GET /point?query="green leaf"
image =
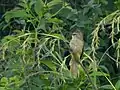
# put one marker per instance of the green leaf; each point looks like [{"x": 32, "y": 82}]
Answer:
[
  {"x": 39, "y": 7},
  {"x": 48, "y": 15},
  {"x": 117, "y": 3},
  {"x": 2, "y": 88},
  {"x": 4, "y": 81},
  {"x": 54, "y": 2},
  {"x": 37, "y": 82},
  {"x": 42, "y": 24},
  {"x": 86, "y": 10},
  {"x": 99, "y": 74},
  {"x": 117, "y": 85},
  {"x": 104, "y": 68},
  {"x": 9, "y": 39},
  {"x": 108, "y": 87},
  {"x": 16, "y": 13},
  {"x": 22, "y": 4},
  {"x": 49, "y": 63},
  {"x": 58, "y": 36},
  {"x": 104, "y": 1},
  {"x": 32, "y": 2},
  {"x": 66, "y": 12},
  {"x": 55, "y": 20},
  {"x": 18, "y": 32}
]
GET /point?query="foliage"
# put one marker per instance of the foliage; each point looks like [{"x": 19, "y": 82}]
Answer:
[
  {"x": 6, "y": 5},
  {"x": 31, "y": 53}
]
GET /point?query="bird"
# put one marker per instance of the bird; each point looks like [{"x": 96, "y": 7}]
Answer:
[{"x": 76, "y": 49}]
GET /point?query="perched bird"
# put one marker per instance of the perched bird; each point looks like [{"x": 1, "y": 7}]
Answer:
[{"x": 76, "y": 50}]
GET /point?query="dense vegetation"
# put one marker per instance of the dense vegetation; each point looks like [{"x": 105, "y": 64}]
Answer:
[{"x": 36, "y": 33}]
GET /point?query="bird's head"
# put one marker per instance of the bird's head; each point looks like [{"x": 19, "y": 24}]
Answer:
[{"x": 77, "y": 34}]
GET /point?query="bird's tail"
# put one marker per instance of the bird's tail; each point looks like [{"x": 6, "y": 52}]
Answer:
[{"x": 74, "y": 68}]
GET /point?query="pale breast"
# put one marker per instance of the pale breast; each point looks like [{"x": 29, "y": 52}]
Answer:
[{"x": 76, "y": 45}]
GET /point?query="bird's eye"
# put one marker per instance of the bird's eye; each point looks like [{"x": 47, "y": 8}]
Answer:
[{"x": 74, "y": 34}]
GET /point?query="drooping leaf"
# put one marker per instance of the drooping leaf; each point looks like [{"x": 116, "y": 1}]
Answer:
[
  {"x": 66, "y": 12},
  {"x": 106, "y": 87},
  {"x": 58, "y": 36},
  {"x": 49, "y": 63},
  {"x": 16, "y": 13},
  {"x": 54, "y": 2},
  {"x": 7, "y": 39},
  {"x": 39, "y": 7}
]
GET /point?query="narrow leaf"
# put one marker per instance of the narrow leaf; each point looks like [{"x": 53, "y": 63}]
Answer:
[{"x": 16, "y": 13}]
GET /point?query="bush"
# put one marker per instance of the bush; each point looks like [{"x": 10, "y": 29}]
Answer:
[{"x": 37, "y": 33}]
